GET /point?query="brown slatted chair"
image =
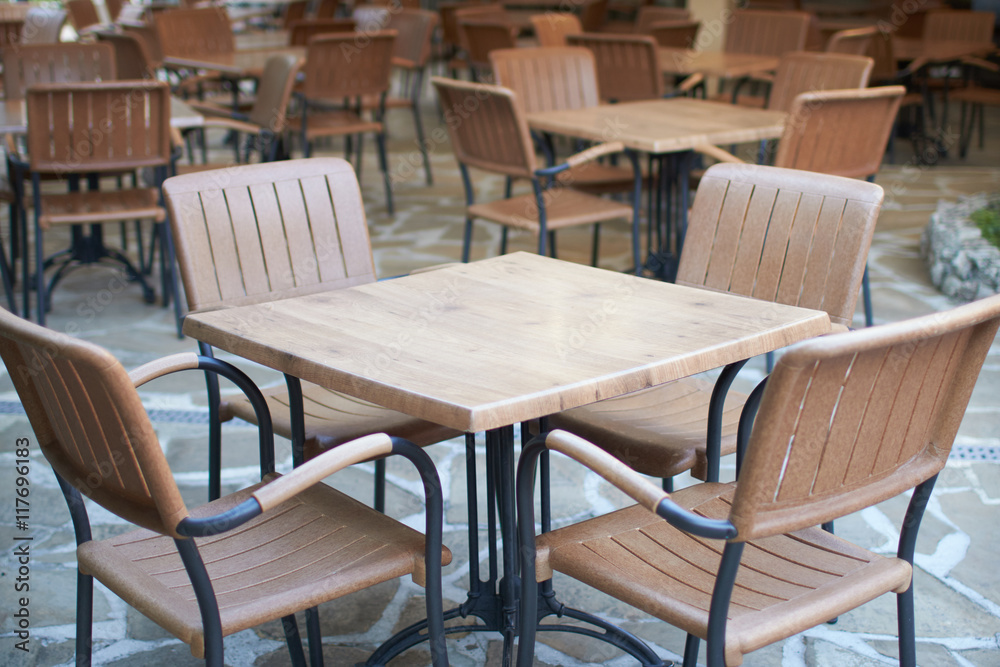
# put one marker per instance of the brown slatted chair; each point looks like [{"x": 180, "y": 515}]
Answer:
[
  {"x": 594, "y": 15},
  {"x": 327, "y": 9},
  {"x": 132, "y": 57},
  {"x": 555, "y": 79},
  {"x": 203, "y": 31},
  {"x": 959, "y": 25},
  {"x": 494, "y": 137},
  {"x": 337, "y": 73},
  {"x": 480, "y": 38},
  {"x": 453, "y": 35},
  {"x": 855, "y": 41},
  {"x": 806, "y": 71},
  {"x": 258, "y": 233},
  {"x": 650, "y": 14},
  {"x": 82, "y": 15},
  {"x": 551, "y": 28},
  {"x": 301, "y": 31},
  {"x": 69, "y": 62},
  {"x": 845, "y": 422},
  {"x": 114, "y": 8},
  {"x": 768, "y": 33},
  {"x": 96, "y": 128},
  {"x": 263, "y": 553},
  {"x": 294, "y": 11},
  {"x": 627, "y": 65},
  {"x": 781, "y": 235},
  {"x": 675, "y": 34},
  {"x": 43, "y": 25}
]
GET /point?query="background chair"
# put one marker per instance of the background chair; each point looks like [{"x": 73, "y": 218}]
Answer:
[
  {"x": 42, "y": 25},
  {"x": 780, "y": 235},
  {"x": 805, "y": 71},
  {"x": 650, "y": 14},
  {"x": 765, "y": 33},
  {"x": 82, "y": 15},
  {"x": 675, "y": 34},
  {"x": 264, "y": 553},
  {"x": 551, "y": 28},
  {"x": 845, "y": 422},
  {"x": 264, "y": 232},
  {"x": 133, "y": 59},
  {"x": 301, "y": 31},
  {"x": 479, "y": 38},
  {"x": 70, "y": 62},
  {"x": 627, "y": 65},
  {"x": 495, "y": 138},
  {"x": 337, "y": 78},
  {"x": 855, "y": 41}
]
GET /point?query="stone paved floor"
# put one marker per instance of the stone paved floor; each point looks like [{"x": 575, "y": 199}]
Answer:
[{"x": 957, "y": 578}]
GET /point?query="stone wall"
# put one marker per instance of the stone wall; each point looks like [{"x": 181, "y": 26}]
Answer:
[{"x": 963, "y": 265}]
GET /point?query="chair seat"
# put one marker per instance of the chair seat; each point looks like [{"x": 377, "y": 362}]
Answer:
[
  {"x": 329, "y": 554},
  {"x": 598, "y": 178},
  {"x": 333, "y": 124},
  {"x": 786, "y": 584},
  {"x": 564, "y": 207},
  {"x": 84, "y": 207},
  {"x": 658, "y": 431},
  {"x": 332, "y": 418}
]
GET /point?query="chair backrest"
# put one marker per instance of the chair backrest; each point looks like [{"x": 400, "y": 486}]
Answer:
[
  {"x": 871, "y": 414},
  {"x": 480, "y": 37},
  {"x": 807, "y": 71},
  {"x": 781, "y": 235},
  {"x": 959, "y": 25},
  {"x": 627, "y": 65},
  {"x": 336, "y": 68},
  {"x": 42, "y": 25},
  {"x": 675, "y": 34},
  {"x": 69, "y": 62},
  {"x": 414, "y": 35},
  {"x": 448, "y": 12},
  {"x": 90, "y": 423},
  {"x": 82, "y": 14},
  {"x": 370, "y": 17},
  {"x": 114, "y": 8},
  {"x": 650, "y": 14},
  {"x": 10, "y": 32},
  {"x": 327, "y": 9},
  {"x": 594, "y": 15},
  {"x": 551, "y": 28},
  {"x": 256, "y": 233},
  {"x": 150, "y": 38},
  {"x": 767, "y": 33},
  {"x": 131, "y": 15},
  {"x": 274, "y": 91},
  {"x": 842, "y": 132},
  {"x": 492, "y": 134},
  {"x": 185, "y": 32},
  {"x": 300, "y": 32},
  {"x": 132, "y": 58},
  {"x": 106, "y": 126},
  {"x": 855, "y": 41},
  {"x": 548, "y": 78},
  {"x": 294, "y": 11}
]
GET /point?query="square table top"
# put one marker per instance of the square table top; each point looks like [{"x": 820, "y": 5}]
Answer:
[
  {"x": 713, "y": 63},
  {"x": 663, "y": 126},
  {"x": 13, "y": 116},
  {"x": 239, "y": 64},
  {"x": 496, "y": 342}
]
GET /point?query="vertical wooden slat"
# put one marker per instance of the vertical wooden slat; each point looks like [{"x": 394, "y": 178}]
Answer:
[
  {"x": 246, "y": 238},
  {"x": 349, "y": 212},
  {"x": 799, "y": 243},
  {"x": 194, "y": 251},
  {"x": 707, "y": 209},
  {"x": 298, "y": 235},
  {"x": 775, "y": 251},
  {"x": 219, "y": 226},
  {"x": 274, "y": 243},
  {"x": 746, "y": 264},
  {"x": 818, "y": 268},
  {"x": 323, "y": 228},
  {"x": 727, "y": 236}
]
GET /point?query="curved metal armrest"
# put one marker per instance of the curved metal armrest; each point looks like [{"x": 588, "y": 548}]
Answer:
[
  {"x": 636, "y": 486},
  {"x": 582, "y": 157},
  {"x": 717, "y": 153}
]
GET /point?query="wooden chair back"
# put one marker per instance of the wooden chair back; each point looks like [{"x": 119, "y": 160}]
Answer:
[
  {"x": 294, "y": 11},
  {"x": 959, "y": 25},
  {"x": 327, "y": 9},
  {"x": 855, "y": 42},
  {"x": 767, "y": 33},
  {"x": 781, "y": 235},
  {"x": 450, "y": 12},
  {"x": 91, "y": 425},
  {"x": 114, "y": 8},
  {"x": 807, "y": 71},
  {"x": 675, "y": 34},
  {"x": 70, "y": 62},
  {"x": 494, "y": 136},
  {"x": 132, "y": 57},
  {"x": 335, "y": 69},
  {"x": 480, "y": 37},
  {"x": 95, "y": 127},
  {"x": 872, "y": 414},
  {"x": 627, "y": 65},
  {"x": 551, "y": 28},
  {"x": 150, "y": 38},
  {"x": 594, "y": 15},
  {"x": 370, "y": 17},
  {"x": 42, "y": 25},
  {"x": 132, "y": 15},
  {"x": 262, "y": 232},
  {"x": 841, "y": 132},
  {"x": 186, "y": 32},
  {"x": 82, "y": 14},
  {"x": 300, "y": 32},
  {"x": 274, "y": 92},
  {"x": 650, "y": 14},
  {"x": 10, "y": 32},
  {"x": 414, "y": 35},
  {"x": 550, "y": 78}
]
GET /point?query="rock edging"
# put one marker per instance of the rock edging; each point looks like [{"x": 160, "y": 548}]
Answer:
[{"x": 963, "y": 265}]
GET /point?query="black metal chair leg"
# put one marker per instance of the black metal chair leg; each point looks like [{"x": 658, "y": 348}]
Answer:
[
  {"x": 84, "y": 619},
  {"x": 314, "y": 637},
  {"x": 380, "y": 485},
  {"x": 691, "y": 646},
  {"x": 293, "y": 641}
]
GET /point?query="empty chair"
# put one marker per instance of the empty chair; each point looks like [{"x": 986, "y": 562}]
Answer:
[
  {"x": 856, "y": 41},
  {"x": 71, "y": 62},
  {"x": 627, "y": 65},
  {"x": 494, "y": 137},
  {"x": 294, "y": 11},
  {"x": 132, "y": 57},
  {"x": 185, "y": 32},
  {"x": 264, "y": 553},
  {"x": 265, "y": 232},
  {"x": 551, "y": 28},
  {"x": 479, "y": 38},
  {"x": 650, "y": 14},
  {"x": 946, "y": 25},
  {"x": 42, "y": 25},
  {"x": 114, "y": 8},
  {"x": 779, "y": 235},
  {"x": 770, "y": 33},
  {"x": 301, "y": 31},
  {"x": 339, "y": 75},
  {"x": 453, "y": 36},
  {"x": 805, "y": 71},
  {"x": 845, "y": 422},
  {"x": 82, "y": 15},
  {"x": 675, "y": 34}
]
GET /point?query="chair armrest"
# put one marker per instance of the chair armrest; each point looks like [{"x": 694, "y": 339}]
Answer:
[
  {"x": 582, "y": 157},
  {"x": 159, "y": 367},
  {"x": 636, "y": 486},
  {"x": 981, "y": 63},
  {"x": 718, "y": 153},
  {"x": 208, "y": 107},
  {"x": 230, "y": 124},
  {"x": 690, "y": 82}
]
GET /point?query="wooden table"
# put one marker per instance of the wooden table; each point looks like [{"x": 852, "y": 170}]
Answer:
[
  {"x": 670, "y": 129},
  {"x": 13, "y": 116},
  {"x": 236, "y": 65},
  {"x": 685, "y": 62},
  {"x": 486, "y": 345}
]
